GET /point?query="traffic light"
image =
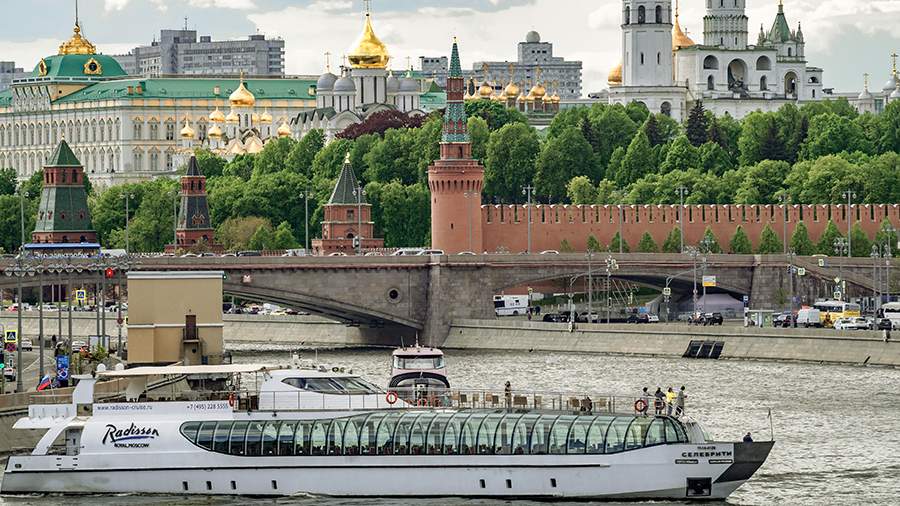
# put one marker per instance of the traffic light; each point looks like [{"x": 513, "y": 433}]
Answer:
[{"x": 110, "y": 273}]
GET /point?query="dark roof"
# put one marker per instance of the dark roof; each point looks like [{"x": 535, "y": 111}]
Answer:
[
  {"x": 345, "y": 189},
  {"x": 63, "y": 156},
  {"x": 193, "y": 167}
]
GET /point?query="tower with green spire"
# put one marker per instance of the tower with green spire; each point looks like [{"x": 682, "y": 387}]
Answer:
[
  {"x": 63, "y": 214},
  {"x": 456, "y": 180}
]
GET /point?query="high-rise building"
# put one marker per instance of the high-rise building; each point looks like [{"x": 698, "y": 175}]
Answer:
[
  {"x": 9, "y": 73},
  {"x": 179, "y": 52}
]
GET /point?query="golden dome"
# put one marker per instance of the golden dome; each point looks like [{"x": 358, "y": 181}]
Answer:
[
  {"x": 77, "y": 44},
  {"x": 485, "y": 90},
  {"x": 555, "y": 98},
  {"x": 284, "y": 130},
  {"x": 679, "y": 38},
  {"x": 232, "y": 118},
  {"x": 187, "y": 132},
  {"x": 265, "y": 117},
  {"x": 214, "y": 132},
  {"x": 511, "y": 90},
  {"x": 370, "y": 52},
  {"x": 521, "y": 98},
  {"x": 615, "y": 76},
  {"x": 242, "y": 97},
  {"x": 254, "y": 118},
  {"x": 538, "y": 91},
  {"x": 217, "y": 116}
]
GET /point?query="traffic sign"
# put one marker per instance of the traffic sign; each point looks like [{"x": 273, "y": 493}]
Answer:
[
  {"x": 837, "y": 295},
  {"x": 11, "y": 336},
  {"x": 667, "y": 291},
  {"x": 81, "y": 295},
  {"x": 821, "y": 262},
  {"x": 709, "y": 281},
  {"x": 801, "y": 271}
]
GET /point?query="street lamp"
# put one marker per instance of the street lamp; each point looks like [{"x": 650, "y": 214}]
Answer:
[
  {"x": 694, "y": 253},
  {"x": 305, "y": 196},
  {"x": 841, "y": 247},
  {"x": 20, "y": 269},
  {"x": 526, "y": 190},
  {"x": 889, "y": 231},
  {"x": 590, "y": 287},
  {"x": 611, "y": 266},
  {"x": 682, "y": 191},
  {"x": 359, "y": 193},
  {"x": 127, "y": 196},
  {"x": 791, "y": 253},
  {"x": 849, "y": 195},
  {"x": 876, "y": 254},
  {"x": 785, "y": 199}
]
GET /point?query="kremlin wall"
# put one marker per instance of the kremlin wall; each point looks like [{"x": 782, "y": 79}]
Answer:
[{"x": 505, "y": 227}]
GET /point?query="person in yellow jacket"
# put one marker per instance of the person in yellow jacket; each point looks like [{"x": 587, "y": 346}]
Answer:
[{"x": 670, "y": 400}]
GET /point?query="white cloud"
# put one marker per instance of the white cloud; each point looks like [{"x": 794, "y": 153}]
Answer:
[
  {"x": 160, "y": 5},
  {"x": 223, "y": 4},
  {"x": 331, "y": 5},
  {"x": 114, "y": 5}
]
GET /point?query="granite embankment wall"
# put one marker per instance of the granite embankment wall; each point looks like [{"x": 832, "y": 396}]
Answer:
[{"x": 808, "y": 345}]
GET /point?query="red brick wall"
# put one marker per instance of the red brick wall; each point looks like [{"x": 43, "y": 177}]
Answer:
[{"x": 505, "y": 226}]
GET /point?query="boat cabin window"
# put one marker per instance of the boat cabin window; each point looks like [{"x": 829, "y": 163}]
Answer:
[
  {"x": 436, "y": 433},
  {"x": 419, "y": 362},
  {"x": 352, "y": 386}
]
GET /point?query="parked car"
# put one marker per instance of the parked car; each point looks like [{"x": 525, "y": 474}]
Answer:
[
  {"x": 856, "y": 323},
  {"x": 638, "y": 318},
  {"x": 432, "y": 252},
  {"x": 249, "y": 254},
  {"x": 708, "y": 319},
  {"x": 652, "y": 318},
  {"x": 466, "y": 253},
  {"x": 550, "y": 252},
  {"x": 408, "y": 252},
  {"x": 78, "y": 344},
  {"x": 9, "y": 373},
  {"x": 809, "y": 317},
  {"x": 26, "y": 344},
  {"x": 882, "y": 324},
  {"x": 556, "y": 317},
  {"x": 785, "y": 320},
  {"x": 586, "y": 317},
  {"x": 338, "y": 254},
  {"x": 374, "y": 254},
  {"x": 229, "y": 255}
]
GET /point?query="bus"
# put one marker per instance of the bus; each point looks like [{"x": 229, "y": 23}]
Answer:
[
  {"x": 831, "y": 310},
  {"x": 891, "y": 311},
  {"x": 510, "y": 305}
]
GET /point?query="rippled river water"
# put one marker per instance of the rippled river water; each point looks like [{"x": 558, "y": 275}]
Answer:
[{"x": 836, "y": 427}]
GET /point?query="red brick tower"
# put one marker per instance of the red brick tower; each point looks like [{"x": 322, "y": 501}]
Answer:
[
  {"x": 347, "y": 218},
  {"x": 194, "y": 230},
  {"x": 456, "y": 180}
]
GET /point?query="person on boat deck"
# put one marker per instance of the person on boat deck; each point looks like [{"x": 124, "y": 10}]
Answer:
[
  {"x": 679, "y": 402},
  {"x": 660, "y": 400},
  {"x": 670, "y": 400},
  {"x": 748, "y": 438},
  {"x": 507, "y": 392},
  {"x": 645, "y": 396}
]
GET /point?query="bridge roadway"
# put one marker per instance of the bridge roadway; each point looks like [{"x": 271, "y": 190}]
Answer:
[{"x": 404, "y": 296}]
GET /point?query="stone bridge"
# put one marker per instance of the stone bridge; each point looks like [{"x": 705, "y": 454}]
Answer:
[{"x": 402, "y": 296}]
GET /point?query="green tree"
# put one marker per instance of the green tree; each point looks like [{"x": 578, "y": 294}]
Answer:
[
  {"x": 240, "y": 166},
  {"x": 10, "y": 221},
  {"x": 800, "y": 241},
  {"x": 831, "y": 134},
  {"x": 740, "y": 244},
  {"x": 637, "y": 161},
  {"x": 714, "y": 158},
  {"x": 611, "y": 127},
  {"x": 394, "y": 158},
  {"x": 647, "y": 244},
  {"x": 560, "y": 160},
  {"x": 792, "y": 129},
  {"x": 151, "y": 228},
  {"x": 614, "y": 244},
  {"x": 697, "y": 125},
  {"x": 403, "y": 213},
  {"x": 497, "y": 115},
  {"x": 637, "y": 111},
  {"x": 651, "y": 130},
  {"x": 284, "y": 237},
  {"x": 672, "y": 244},
  {"x": 210, "y": 164},
  {"x": 825, "y": 246},
  {"x": 427, "y": 144},
  {"x": 762, "y": 182},
  {"x": 574, "y": 117},
  {"x": 511, "y": 155},
  {"x": 889, "y": 139},
  {"x": 607, "y": 193},
  {"x": 581, "y": 191},
  {"x": 8, "y": 181},
  {"x": 615, "y": 163},
  {"x": 480, "y": 134},
  {"x": 682, "y": 155},
  {"x": 887, "y": 235},
  {"x": 860, "y": 244},
  {"x": 565, "y": 247},
  {"x": 593, "y": 244},
  {"x": 274, "y": 156},
  {"x": 235, "y": 233},
  {"x": 329, "y": 160},
  {"x": 710, "y": 243},
  {"x": 262, "y": 239},
  {"x": 769, "y": 243},
  {"x": 759, "y": 139},
  {"x": 303, "y": 153}
]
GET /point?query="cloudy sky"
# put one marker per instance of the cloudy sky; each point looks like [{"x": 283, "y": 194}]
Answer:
[{"x": 845, "y": 37}]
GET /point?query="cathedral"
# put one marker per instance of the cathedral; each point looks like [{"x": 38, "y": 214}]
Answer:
[
  {"x": 364, "y": 87},
  {"x": 666, "y": 70}
]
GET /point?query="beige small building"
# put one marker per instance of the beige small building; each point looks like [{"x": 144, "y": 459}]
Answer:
[{"x": 175, "y": 317}]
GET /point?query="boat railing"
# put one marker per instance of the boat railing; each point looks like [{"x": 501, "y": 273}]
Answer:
[{"x": 412, "y": 398}]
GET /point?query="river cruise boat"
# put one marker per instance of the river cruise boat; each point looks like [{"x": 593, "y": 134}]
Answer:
[
  {"x": 320, "y": 431},
  {"x": 419, "y": 369}
]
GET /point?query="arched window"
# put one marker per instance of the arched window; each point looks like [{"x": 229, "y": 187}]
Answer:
[
  {"x": 658, "y": 58},
  {"x": 642, "y": 58},
  {"x": 710, "y": 63},
  {"x": 763, "y": 84},
  {"x": 627, "y": 15},
  {"x": 642, "y": 15},
  {"x": 789, "y": 52},
  {"x": 666, "y": 108},
  {"x": 659, "y": 19},
  {"x": 763, "y": 63},
  {"x": 710, "y": 83}
]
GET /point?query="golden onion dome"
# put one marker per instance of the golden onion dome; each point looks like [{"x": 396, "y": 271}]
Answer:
[
  {"x": 615, "y": 76},
  {"x": 254, "y": 118},
  {"x": 555, "y": 98},
  {"x": 485, "y": 90},
  {"x": 77, "y": 44},
  {"x": 232, "y": 118},
  {"x": 511, "y": 90},
  {"x": 370, "y": 52},
  {"x": 241, "y": 97},
  {"x": 679, "y": 38},
  {"x": 214, "y": 132},
  {"x": 521, "y": 98},
  {"x": 217, "y": 116},
  {"x": 284, "y": 130},
  {"x": 538, "y": 91},
  {"x": 187, "y": 132},
  {"x": 265, "y": 117}
]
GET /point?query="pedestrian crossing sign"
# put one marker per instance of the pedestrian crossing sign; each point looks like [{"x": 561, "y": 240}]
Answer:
[
  {"x": 81, "y": 295},
  {"x": 11, "y": 336}
]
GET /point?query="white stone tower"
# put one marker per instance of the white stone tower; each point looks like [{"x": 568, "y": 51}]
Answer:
[
  {"x": 647, "y": 43},
  {"x": 725, "y": 24}
]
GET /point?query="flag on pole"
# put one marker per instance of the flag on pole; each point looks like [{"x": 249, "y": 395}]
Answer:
[{"x": 45, "y": 383}]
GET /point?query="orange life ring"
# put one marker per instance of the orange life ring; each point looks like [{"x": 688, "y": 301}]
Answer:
[
  {"x": 231, "y": 399},
  {"x": 391, "y": 397},
  {"x": 422, "y": 402},
  {"x": 640, "y": 405}
]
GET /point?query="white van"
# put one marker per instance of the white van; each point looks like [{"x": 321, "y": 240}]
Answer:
[{"x": 809, "y": 317}]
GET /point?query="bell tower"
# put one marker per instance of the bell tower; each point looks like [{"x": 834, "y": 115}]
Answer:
[{"x": 456, "y": 180}]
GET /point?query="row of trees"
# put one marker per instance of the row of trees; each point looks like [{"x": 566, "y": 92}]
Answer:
[
  {"x": 603, "y": 154},
  {"x": 770, "y": 243}
]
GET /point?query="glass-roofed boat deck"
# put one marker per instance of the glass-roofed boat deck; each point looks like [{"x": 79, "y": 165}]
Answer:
[{"x": 429, "y": 432}]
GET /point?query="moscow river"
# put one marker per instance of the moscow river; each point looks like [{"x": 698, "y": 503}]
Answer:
[{"x": 835, "y": 426}]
